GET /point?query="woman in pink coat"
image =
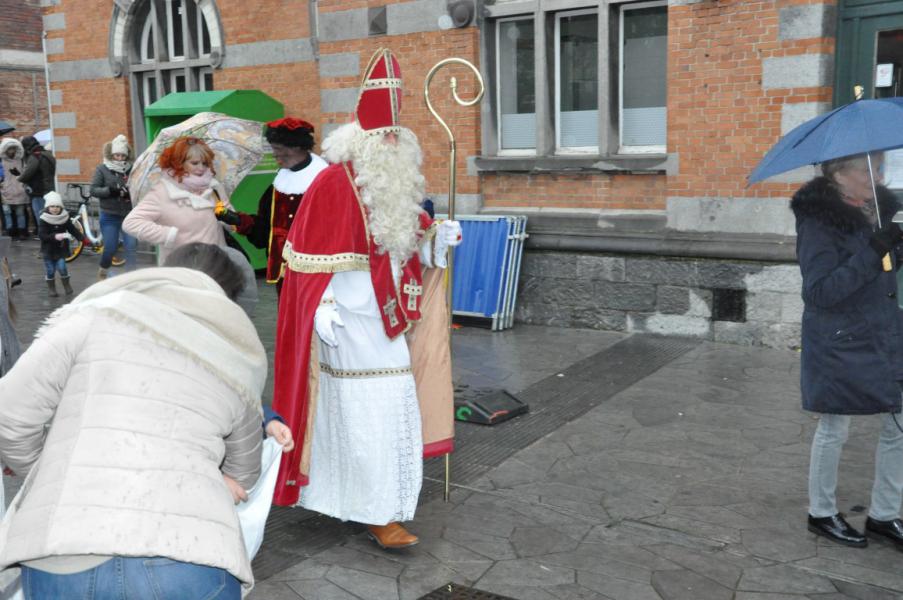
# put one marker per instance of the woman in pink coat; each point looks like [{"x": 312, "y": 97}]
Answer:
[{"x": 180, "y": 208}]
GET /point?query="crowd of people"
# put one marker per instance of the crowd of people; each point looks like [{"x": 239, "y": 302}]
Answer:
[{"x": 136, "y": 416}]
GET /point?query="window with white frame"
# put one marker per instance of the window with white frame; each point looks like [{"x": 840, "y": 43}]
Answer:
[
  {"x": 643, "y": 77},
  {"x": 602, "y": 89},
  {"x": 172, "y": 50},
  {"x": 516, "y": 88}
]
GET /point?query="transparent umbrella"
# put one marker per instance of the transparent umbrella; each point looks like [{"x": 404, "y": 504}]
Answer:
[{"x": 238, "y": 145}]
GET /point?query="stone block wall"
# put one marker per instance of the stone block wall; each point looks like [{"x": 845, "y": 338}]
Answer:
[{"x": 663, "y": 295}]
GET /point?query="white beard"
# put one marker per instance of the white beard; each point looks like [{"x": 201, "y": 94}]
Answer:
[{"x": 390, "y": 181}]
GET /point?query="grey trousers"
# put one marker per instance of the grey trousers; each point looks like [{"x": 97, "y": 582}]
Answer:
[{"x": 887, "y": 490}]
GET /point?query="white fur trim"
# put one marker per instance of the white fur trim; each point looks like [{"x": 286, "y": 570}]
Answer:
[{"x": 297, "y": 182}]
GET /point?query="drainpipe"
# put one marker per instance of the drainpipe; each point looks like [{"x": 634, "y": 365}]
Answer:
[{"x": 56, "y": 183}]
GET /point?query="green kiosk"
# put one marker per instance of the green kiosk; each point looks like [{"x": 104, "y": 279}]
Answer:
[{"x": 244, "y": 104}]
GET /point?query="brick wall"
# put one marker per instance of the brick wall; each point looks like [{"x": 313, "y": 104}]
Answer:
[
  {"x": 20, "y": 22},
  {"x": 723, "y": 115},
  {"x": 23, "y": 96},
  {"x": 23, "y": 100}
]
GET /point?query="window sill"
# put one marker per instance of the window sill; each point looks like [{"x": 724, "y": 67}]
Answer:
[{"x": 644, "y": 164}]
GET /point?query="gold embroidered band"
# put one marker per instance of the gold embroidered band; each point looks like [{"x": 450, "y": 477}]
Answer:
[
  {"x": 324, "y": 263},
  {"x": 388, "y": 83},
  {"x": 364, "y": 373}
]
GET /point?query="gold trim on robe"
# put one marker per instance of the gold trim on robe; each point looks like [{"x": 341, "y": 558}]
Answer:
[{"x": 324, "y": 263}]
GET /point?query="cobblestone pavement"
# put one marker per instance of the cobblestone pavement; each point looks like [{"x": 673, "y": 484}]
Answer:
[{"x": 688, "y": 484}]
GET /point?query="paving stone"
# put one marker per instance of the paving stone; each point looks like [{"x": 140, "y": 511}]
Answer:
[
  {"x": 687, "y": 585},
  {"x": 527, "y": 573},
  {"x": 717, "y": 533},
  {"x": 537, "y": 541},
  {"x": 572, "y": 591},
  {"x": 308, "y": 569},
  {"x": 716, "y": 566},
  {"x": 853, "y": 573},
  {"x": 863, "y": 592},
  {"x": 641, "y": 534},
  {"x": 581, "y": 560},
  {"x": 364, "y": 585},
  {"x": 321, "y": 589},
  {"x": 767, "y": 596},
  {"x": 361, "y": 561},
  {"x": 617, "y": 589},
  {"x": 491, "y": 547},
  {"x": 419, "y": 580},
  {"x": 517, "y": 592},
  {"x": 775, "y": 544},
  {"x": 784, "y": 579},
  {"x": 272, "y": 590}
]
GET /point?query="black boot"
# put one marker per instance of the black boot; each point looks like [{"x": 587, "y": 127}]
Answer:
[
  {"x": 51, "y": 288},
  {"x": 66, "y": 286},
  {"x": 838, "y": 530},
  {"x": 891, "y": 530}
]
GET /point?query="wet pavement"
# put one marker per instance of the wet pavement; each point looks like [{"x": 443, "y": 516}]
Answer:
[{"x": 648, "y": 468}]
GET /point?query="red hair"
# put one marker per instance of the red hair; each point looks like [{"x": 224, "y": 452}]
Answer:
[{"x": 174, "y": 156}]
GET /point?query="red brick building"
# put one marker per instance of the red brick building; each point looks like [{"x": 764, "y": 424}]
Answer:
[
  {"x": 623, "y": 129},
  {"x": 23, "y": 91}
]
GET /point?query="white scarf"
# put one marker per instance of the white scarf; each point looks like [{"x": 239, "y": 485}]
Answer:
[
  {"x": 117, "y": 166},
  {"x": 55, "y": 219},
  {"x": 187, "y": 311}
]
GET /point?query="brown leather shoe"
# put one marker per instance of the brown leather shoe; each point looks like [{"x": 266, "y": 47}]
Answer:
[{"x": 391, "y": 536}]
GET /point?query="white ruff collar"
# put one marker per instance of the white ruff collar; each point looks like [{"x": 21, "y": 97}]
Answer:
[{"x": 297, "y": 182}]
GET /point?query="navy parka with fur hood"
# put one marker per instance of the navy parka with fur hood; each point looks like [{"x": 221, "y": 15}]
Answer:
[{"x": 852, "y": 329}]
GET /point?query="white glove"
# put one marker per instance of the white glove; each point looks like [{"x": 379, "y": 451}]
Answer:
[
  {"x": 325, "y": 318},
  {"x": 449, "y": 233}
]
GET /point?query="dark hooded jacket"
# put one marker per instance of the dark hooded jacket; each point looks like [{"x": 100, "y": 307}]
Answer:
[
  {"x": 852, "y": 330},
  {"x": 40, "y": 167}
]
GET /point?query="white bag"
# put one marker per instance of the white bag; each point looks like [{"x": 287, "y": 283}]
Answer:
[{"x": 253, "y": 513}]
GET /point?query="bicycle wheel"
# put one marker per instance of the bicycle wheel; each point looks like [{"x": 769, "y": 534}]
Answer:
[{"x": 79, "y": 246}]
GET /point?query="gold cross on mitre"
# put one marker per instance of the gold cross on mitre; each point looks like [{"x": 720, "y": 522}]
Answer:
[
  {"x": 389, "y": 310},
  {"x": 412, "y": 290}
]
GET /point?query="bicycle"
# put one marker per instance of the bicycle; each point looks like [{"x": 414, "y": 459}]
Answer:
[{"x": 89, "y": 225}]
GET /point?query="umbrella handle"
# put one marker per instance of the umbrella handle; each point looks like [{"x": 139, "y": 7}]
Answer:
[{"x": 885, "y": 263}]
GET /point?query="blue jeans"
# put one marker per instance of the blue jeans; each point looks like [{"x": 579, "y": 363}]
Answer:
[
  {"x": 37, "y": 205},
  {"x": 55, "y": 266},
  {"x": 887, "y": 489},
  {"x": 111, "y": 230},
  {"x": 15, "y": 217},
  {"x": 123, "y": 578}
]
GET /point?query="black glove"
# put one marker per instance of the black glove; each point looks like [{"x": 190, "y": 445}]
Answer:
[
  {"x": 884, "y": 240},
  {"x": 229, "y": 217},
  {"x": 15, "y": 171}
]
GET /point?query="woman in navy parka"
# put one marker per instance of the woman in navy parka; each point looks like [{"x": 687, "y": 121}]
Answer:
[{"x": 852, "y": 338}]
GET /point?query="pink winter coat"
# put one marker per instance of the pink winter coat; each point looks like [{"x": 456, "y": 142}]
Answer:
[{"x": 171, "y": 216}]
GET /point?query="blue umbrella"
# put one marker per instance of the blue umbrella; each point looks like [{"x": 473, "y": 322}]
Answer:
[
  {"x": 856, "y": 128},
  {"x": 5, "y": 128}
]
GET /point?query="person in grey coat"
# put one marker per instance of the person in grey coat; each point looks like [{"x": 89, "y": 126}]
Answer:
[
  {"x": 110, "y": 185},
  {"x": 852, "y": 339}
]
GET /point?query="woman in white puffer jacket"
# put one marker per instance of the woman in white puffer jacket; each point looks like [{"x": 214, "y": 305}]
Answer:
[{"x": 125, "y": 413}]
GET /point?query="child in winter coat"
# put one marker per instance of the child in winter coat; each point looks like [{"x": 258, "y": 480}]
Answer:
[{"x": 55, "y": 230}]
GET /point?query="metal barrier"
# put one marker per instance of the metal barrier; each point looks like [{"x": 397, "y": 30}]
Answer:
[{"x": 487, "y": 267}]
